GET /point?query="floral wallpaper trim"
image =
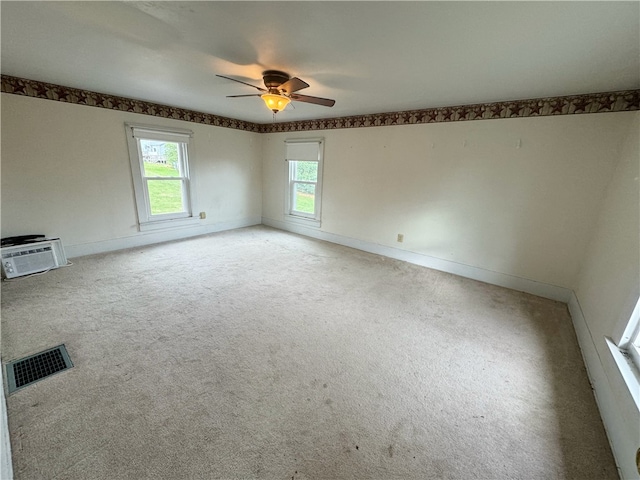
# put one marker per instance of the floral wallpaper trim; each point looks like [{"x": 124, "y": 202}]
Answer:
[{"x": 622, "y": 101}]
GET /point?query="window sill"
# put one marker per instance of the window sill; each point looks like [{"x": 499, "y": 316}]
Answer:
[
  {"x": 167, "y": 224},
  {"x": 309, "y": 222},
  {"x": 627, "y": 369}
]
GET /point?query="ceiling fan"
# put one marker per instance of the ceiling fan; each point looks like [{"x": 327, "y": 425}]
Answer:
[{"x": 280, "y": 90}]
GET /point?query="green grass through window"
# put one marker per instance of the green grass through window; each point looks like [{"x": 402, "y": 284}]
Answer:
[
  {"x": 165, "y": 196},
  {"x": 305, "y": 202},
  {"x": 160, "y": 170}
]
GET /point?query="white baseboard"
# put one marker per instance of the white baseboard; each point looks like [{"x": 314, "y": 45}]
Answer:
[
  {"x": 513, "y": 282},
  {"x": 6, "y": 467},
  {"x": 149, "y": 238},
  {"x": 615, "y": 420}
]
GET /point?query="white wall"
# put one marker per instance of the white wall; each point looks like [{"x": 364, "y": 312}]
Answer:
[
  {"x": 66, "y": 173},
  {"x": 461, "y": 192},
  {"x": 606, "y": 291},
  {"x": 464, "y": 192}
]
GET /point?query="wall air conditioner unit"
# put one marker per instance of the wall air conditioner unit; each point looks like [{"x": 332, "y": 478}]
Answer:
[{"x": 32, "y": 257}]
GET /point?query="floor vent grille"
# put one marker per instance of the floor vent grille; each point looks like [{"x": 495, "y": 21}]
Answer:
[{"x": 28, "y": 370}]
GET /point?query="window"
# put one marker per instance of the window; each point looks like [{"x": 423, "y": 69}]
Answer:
[
  {"x": 626, "y": 354},
  {"x": 631, "y": 337},
  {"x": 161, "y": 176},
  {"x": 304, "y": 186}
]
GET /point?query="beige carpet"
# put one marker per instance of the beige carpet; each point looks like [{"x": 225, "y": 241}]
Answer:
[{"x": 256, "y": 353}]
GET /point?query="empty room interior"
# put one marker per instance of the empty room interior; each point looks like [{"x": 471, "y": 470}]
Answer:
[{"x": 320, "y": 240}]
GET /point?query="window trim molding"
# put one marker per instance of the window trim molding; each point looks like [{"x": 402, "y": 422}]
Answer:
[
  {"x": 629, "y": 338},
  {"x": 628, "y": 370},
  {"x": 631, "y": 326},
  {"x": 626, "y": 356},
  {"x": 146, "y": 220},
  {"x": 316, "y": 219}
]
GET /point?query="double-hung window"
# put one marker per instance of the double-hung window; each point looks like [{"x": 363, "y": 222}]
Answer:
[
  {"x": 161, "y": 176},
  {"x": 304, "y": 185}
]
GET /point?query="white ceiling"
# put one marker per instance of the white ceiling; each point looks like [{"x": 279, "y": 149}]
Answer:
[{"x": 370, "y": 57}]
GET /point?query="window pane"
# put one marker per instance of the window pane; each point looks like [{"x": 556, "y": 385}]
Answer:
[
  {"x": 160, "y": 159},
  {"x": 165, "y": 196},
  {"x": 306, "y": 171},
  {"x": 304, "y": 198}
]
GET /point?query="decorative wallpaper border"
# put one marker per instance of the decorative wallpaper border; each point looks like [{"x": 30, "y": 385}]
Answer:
[
  {"x": 622, "y": 101},
  {"x": 50, "y": 91}
]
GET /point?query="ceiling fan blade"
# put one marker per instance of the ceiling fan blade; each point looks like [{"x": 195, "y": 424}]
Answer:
[
  {"x": 249, "y": 95},
  {"x": 292, "y": 85},
  {"x": 240, "y": 81},
  {"x": 327, "y": 102}
]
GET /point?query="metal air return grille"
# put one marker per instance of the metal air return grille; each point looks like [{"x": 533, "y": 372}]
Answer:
[{"x": 28, "y": 370}]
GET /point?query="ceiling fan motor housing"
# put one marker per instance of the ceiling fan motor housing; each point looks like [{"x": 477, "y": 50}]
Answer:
[{"x": 274, "y": 78}]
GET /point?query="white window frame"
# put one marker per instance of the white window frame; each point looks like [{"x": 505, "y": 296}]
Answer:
[
  {"x": 147, "y": 220},
  {"x": 626, "y": 353},
  {"x": 303, "y": 150},
  {"x": 633, "y": 347}
]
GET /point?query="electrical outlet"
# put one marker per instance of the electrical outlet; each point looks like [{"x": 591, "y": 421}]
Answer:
[
  {"x": 203, "y": 215},
  {"x": 400, "y": 237}
]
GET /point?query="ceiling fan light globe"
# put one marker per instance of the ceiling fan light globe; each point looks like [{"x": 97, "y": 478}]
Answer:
[{"x": 274, "y": 102}]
